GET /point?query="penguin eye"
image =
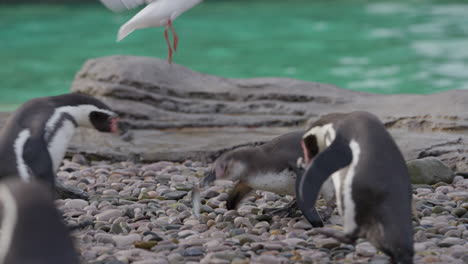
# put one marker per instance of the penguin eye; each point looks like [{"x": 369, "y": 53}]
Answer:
[{"x": 100, "y": 120}]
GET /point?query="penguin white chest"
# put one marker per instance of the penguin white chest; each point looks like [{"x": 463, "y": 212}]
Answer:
[
  {"x": 280, "y": 183},
  {"x": 342, "y": 180},
  {"x": 59, "y": 142}
]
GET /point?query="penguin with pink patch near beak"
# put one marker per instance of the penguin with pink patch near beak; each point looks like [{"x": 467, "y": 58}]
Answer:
[{"x": 34, "y": 140}]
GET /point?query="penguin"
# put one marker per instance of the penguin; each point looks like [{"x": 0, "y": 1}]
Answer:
[
  {"x": 372, "y": 185},
  {"x": 34, "y": 140},
  {"x": 32, "y": 230},
  {"x": 268, "y": 167}
]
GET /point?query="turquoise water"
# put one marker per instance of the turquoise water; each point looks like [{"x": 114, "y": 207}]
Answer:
[{"x": 376, "y": 46}]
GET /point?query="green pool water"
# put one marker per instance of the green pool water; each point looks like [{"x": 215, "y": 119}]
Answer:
[{"x": 376, "y": 46}]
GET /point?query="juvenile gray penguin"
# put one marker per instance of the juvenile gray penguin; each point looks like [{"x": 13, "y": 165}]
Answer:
[
  {"x": 268, "y": 167},
  {"x": 372, "y": 186},
  {"x": 34, "y": 140},
  {"x": 32, "y": 231}
]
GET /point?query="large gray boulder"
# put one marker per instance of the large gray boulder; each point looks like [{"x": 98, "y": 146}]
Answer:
[
  {"x": 429, "y": 170},
  {"x": 179, "y": 114}
]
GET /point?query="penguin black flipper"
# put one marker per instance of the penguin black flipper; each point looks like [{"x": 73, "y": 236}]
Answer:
[
  {"x": 39, "y": 165},
  {"x": 337, "y": 156}
]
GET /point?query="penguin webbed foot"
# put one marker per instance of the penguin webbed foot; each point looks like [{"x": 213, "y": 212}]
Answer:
[{"x": 68, "y": 192}]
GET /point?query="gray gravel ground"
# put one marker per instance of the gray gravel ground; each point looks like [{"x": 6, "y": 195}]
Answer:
[{"x": 141, "y": 214}]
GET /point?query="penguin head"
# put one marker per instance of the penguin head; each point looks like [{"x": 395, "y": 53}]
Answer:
[
  {"x": 89, "y": 112},
  {"x": 317, "y": 137},
  {"x": 230, "y": 166}
]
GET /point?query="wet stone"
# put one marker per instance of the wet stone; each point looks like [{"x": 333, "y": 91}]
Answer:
[
  {"x": 193, "y": 252},
  {"x": 451, "y": 241},
  {"x": 326, "y": 243},
  {"x": 175, "y": 195},
  {"x": 366, "y": 250},
  {"x": 108, "y": 215}
]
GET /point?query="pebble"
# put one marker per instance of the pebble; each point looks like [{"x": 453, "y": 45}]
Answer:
[
  {"x": 76, "y": 204},
  {"x": 451, "y": 241},
  {"x": 175, "y": 195},
  {"x": 122, "y": 241},
  {"x": 142, "y": 214},
  {"x": 326, "y": 243},
  {"x": 108, "y": 215},
  {"x": 366, "y": 249}
]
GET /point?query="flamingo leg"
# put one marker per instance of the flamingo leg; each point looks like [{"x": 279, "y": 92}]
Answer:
[
  {"x": 174, "y": 34},
  {"x": 166, "y": 36}
]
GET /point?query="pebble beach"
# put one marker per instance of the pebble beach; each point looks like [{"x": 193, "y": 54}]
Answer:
[{"x": 142, "y": 214}]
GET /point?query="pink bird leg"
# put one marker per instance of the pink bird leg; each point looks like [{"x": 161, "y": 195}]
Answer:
[
  {"x": 174, "y": 35},
  {"x": 169, "y": 59}
]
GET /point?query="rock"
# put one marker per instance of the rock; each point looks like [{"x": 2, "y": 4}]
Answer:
[
  {"x": 462, "y": 196},
  {"x": 303, "y": 224},
  {"x": 104, "y": 238},
  {"x": 269, "y": 259},
  {"x": 459, "y": 211},
  {"x": 76, "y": 203},
  {"x": 108, "y": 215},
  {"x": 263, "y": 217},
  {"x": 122, "y": 241},
  {"x": 193, "y": 252},
  {"x": 247, "y": 239},
  {"x": 326, "y": 243},
  {"x": 79, "y": 159},
  {"x": 451, "y": 241},
  {"x": 175, "y": 195},
  {"x": 365, "y": 249},
  {"x": 438, "y": 209},
  {"x": 116, "y": 229},
  {"x": 247, "y": 209},
  {"x": 145, "y": 244},
  {"x": 156, "y": 95},
  {"x": 294, "y": 242},
  {"x": 429, "y": 170}
]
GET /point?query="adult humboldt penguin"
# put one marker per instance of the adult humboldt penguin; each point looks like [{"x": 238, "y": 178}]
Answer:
[
  {"x": 34, "y": 140},
  {"x": 268, "y": 167},
  {"x": 373, "y": 190},
  {"x": 32, "y": 231}
]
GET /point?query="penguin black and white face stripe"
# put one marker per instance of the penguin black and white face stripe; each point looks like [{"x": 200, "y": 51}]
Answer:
[
  {"x": 28, "y": 219},
  {"x": 373, "y": 191},
  {"x": 61, "y": 126},
  {"x": 35, "y": 139}
]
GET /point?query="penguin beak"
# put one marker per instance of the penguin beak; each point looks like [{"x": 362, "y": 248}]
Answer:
[
  {"x": 211, "y": 177},
  {"x": 306, "y": 160},
  {"x": 114, "y": 124},
  {"x": 117, "y": 126}
]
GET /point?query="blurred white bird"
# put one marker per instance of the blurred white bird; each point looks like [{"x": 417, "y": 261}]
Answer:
[{"x": 157, "y": 13}]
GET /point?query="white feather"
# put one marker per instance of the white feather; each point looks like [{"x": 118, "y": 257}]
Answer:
[
  {"x": 10, "y": 215},
  {"x": 121, "y": 5},
  {"x": 155, "y": 14},
  {"x": 59, "y": 143},
  {"x": 20, "y": 141},
  {"x": 274, "y": 182},
  {"x": 349, "y": 216}
]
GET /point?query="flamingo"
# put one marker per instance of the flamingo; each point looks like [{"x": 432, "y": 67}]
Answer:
[{"x": 157, "y": 13}]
